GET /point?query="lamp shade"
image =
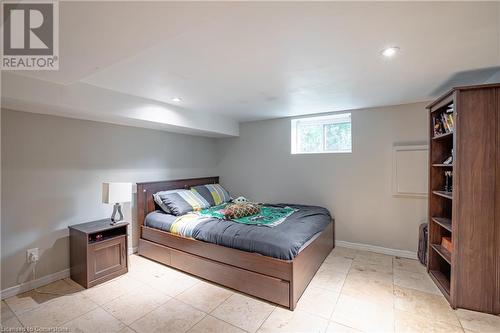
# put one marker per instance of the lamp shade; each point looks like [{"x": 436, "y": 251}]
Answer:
[{"x": 116, "y": 192}]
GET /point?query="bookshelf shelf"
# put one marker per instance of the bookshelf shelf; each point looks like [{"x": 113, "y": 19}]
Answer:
[
  {"x": 442, "y": 281},
  {"x": 444, "y": 253},
  {"x": 443, "y": 222},
  {"x": 464, "y": 129},
  {"x": 444, "y": 194},
  {"x": 443, "y": 136}
]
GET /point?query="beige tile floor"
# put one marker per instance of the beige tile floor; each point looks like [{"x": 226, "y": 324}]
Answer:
[{"x": 354, "y": 291}]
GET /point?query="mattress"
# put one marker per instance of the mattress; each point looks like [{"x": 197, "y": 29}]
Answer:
[{"x": 282, "y": 242}]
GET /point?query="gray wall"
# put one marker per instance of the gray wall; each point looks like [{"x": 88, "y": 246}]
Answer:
[
  {"x": 52, "y": 170},
  {"x": 355, "y": 187}
]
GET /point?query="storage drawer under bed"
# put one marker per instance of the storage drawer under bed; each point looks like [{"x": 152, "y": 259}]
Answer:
[{"x": 260, "y": 285}]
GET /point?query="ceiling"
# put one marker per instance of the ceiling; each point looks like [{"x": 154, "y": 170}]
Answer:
[{"x": 258, "y": 60}]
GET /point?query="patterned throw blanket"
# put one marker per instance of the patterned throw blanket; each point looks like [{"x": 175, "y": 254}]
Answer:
[{"x": 269, "y": 216}]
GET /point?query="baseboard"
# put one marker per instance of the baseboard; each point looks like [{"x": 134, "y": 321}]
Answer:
[
  {"x": 29, "y": 285},
  {"x": 132, "y": 250},
  {"x": 377, "y": 249}
]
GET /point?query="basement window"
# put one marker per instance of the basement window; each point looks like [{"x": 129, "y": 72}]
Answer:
[{"x": 325, "y": 134}]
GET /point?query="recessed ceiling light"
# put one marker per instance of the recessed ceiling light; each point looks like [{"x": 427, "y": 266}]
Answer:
[
  {"x": 390, "y": 51},
  {"x": 176, "y": 99}
]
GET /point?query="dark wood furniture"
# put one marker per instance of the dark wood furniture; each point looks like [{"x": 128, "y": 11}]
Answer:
[
  {"x": 275, "y": 280},
  {"x": 98, "y": 251},
  {"x": 469, "y": 276}
]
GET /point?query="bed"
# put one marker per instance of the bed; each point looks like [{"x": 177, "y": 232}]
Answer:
[{"x": 278, "y": 274}]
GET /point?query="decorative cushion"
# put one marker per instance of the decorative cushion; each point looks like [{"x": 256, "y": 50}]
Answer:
[
  {"x": 180, "y": 202},
  {"x": 214, "y": 194},
  {"x": 234, "y": 211}
]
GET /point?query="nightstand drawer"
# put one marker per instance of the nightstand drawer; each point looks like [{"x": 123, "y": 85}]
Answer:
[{"x": 106, "y": 257}]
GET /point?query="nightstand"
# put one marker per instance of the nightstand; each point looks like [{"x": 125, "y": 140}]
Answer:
[{"x": 98, "y": 251}]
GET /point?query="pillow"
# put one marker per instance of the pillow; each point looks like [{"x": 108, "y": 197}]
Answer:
[
  {"x": 159, "y": 202},
  {"x": 234, "y": 211},
  {"x": 180, "y": 202},
  {"x": 214, "y": 194}
]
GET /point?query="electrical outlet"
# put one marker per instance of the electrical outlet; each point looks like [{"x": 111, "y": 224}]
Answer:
[{"x": 32, "y": 255}]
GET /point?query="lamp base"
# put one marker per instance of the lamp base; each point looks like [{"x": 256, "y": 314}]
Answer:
[{"x": 117, "y": 208}]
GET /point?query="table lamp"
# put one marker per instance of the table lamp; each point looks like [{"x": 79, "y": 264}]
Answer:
[{"x": 116, "y": 193}]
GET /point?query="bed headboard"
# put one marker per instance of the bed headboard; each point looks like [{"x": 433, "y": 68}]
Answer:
[{"x": 145, "y": 191}]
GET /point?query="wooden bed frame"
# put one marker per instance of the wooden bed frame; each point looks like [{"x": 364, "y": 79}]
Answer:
[{"x": 275, "y": 280}]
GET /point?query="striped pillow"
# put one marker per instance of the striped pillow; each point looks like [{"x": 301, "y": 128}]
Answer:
[
  {"x": 214, "y": 194},
  {"x": 180, "y": 202}
]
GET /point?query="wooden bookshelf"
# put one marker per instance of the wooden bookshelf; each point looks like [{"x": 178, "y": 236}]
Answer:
[{"x": 469, "y": 211}]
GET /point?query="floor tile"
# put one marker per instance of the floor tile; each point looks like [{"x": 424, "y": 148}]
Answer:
[
  {"x": 423, "y": 304},
  {"x": 340, "y": 264},
  {"x": 375, "y": 291},
  {"x": 371, "y": 273},
  {"x": 244, "y": 312},
  {"x": 373, "y": 258},
  {"x": 33, "y": 299},
  {"x": 173, "y": 316},
  {"x": 344, "y": 252},
  {"x": 58, "y": 311},
  {"x": 353, "y": 302},
  {"x": 376, "y": 272},
  {"x": 95, "y": 321},
  {"x": 74, "y": 286},
  {"x": 204, "y": 296},
  {"x": 409, "y": 265},
  {"x": 139, "y": 263},
  {"x": 11, "y": 323},
  {"x": 8, "y": 318},
  {"x": 104, "y": 293},
  {"x": 6, "y": 312},
  {"x": 478, "y": 322},
  {"x": 362, "y": 315},
  {"x": 210, "y": 324},
  {"x": 318, "y": 301},
  {"x": 328, "y": 278},
  {"x": 172, "y": 283},
  {"x": 334, "y": 327},
  {"x": 283, "y": 320},
  {"x": 132, "y": 306},
  {"x": 415, "y": 280},
  {"x": 142, "y": 269},
  {"x": 407, "y": 322}
]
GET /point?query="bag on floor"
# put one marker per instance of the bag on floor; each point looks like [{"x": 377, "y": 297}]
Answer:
[{"x": 422, "y": 243}]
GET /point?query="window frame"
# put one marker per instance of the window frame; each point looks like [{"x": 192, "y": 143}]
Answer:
[{"x": 323, "y": 121}]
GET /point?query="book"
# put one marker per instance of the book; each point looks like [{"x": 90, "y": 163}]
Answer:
[
  {"x": 447, "y": 244},
  {"x": 438, "y": 127},
  {"x": 449, "y": 117},
  {"x": 449, "y": 160},
  {"x": 448, "y": 181},
  {"x": 445, "y": 123}
]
